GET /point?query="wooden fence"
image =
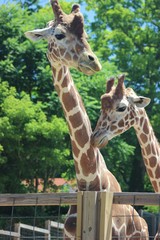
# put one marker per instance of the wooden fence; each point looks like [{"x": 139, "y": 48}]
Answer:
[
  {"x": 93, "y": 208},
  {"x": 45, "y": 232}
]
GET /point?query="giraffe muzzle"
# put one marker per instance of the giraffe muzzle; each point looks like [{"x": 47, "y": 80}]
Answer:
[
  {"x": 98, "y": 140},
  {"x": 89, "y": 64}
]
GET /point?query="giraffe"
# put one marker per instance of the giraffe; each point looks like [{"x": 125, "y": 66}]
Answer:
[
  {"x": 157, "y": 237},
  {"x": 68, "y": 47},
  {"x": 121, "y": 110}
]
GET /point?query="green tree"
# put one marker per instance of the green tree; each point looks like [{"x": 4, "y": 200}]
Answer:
[
  {"x": 30, "y": 144},
  {"x": 30, "y": 5},
  {"x": 21, "y": 62}
]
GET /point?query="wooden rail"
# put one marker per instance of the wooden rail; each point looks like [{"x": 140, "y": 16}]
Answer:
[
  {"x": 44, "y": 231},
  {"x": 41, "y": 199},
  {"x": 9, "y": 233},
  {"x": 137, "y": 199},
  {"x": 94, "y": 209},
  {"x": 38, "y": 199}
]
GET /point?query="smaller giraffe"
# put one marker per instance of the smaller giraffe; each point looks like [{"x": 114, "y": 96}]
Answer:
[
  {"x": 122, "y": 109},
  {"x": 157, "y": 237}
]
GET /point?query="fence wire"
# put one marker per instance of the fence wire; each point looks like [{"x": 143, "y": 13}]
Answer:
[
  {"x": 46, "y": 222},
  {"x": 32, "y": 223}
]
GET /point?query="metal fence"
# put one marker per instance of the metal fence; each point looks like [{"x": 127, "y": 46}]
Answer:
[{"x": 88, "y": 204}]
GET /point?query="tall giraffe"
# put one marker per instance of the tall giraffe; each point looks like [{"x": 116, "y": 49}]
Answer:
[
  {"x": 68, "y": 47},
  {"x": 122, "y": 109}
]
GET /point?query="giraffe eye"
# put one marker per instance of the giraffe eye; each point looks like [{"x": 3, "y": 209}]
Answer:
[
  {"x": 121, "y": 109},
  {"x": 60, "y": 36}
]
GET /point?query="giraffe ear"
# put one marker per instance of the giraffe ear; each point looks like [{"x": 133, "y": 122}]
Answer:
[
  {"x": 38, "y": 34},
  {"x": 140, "y": 101}
]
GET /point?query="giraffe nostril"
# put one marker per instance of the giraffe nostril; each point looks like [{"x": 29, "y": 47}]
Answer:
[{"x": 91, "y": 58}]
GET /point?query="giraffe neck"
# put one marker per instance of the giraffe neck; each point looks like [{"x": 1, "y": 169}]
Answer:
[
  {"x": 91, "y": 171},
  {"x": 150, "y": 149}
]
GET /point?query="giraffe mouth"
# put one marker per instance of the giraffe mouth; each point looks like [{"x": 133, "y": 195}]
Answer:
[
  {"x": 99, "y": 142},
  {"x": 103, "y": 142},
  {"x": 86, "y": 69},
  {"x": 88, "y": 63}
]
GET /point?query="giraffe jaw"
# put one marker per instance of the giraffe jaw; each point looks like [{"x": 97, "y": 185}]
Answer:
[
  {"x": 89, "y": 69},
  {"x": 86, "y": 70},
  {"x": 89, "y": 64},
  {"x": 100, "y": 141}
]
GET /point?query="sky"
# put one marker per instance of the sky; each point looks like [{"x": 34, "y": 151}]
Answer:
[{"x": 90, "y": 14}]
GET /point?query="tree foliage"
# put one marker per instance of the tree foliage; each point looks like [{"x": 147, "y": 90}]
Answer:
[
  {"x": 33, "y": 134},
  {"x": 30, "y": 144}
]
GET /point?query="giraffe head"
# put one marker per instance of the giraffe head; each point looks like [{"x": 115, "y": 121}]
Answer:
[
  {"x": 67, "y": 40},
  {"x": 121, "y": 109}
]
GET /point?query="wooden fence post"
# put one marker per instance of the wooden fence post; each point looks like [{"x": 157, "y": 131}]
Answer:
[
  {"x": 86, "y": 215},
  {"x": 94, "y": 215},
  {"x": 89, "y": 215},
  {"x": 104, "y": 216},
  {"x": 79, "y": 215},
  {"x": 17, "y": 230},
  {"x": 48, "y": 227}
]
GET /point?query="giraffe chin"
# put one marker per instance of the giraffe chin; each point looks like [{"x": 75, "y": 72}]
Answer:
[
  {"x": 99, "y": 143},
  {"x": 103, "y": 143},
  {"x": 86, "y": 70}
]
